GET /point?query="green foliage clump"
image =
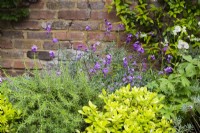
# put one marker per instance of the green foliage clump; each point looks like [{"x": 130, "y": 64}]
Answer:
[
  {"x": 155, "y": 23},
  {"x": 8, "y": 115},
  {"x": 13, "y": 10},
  {"x": 50, "y": 100},
  {"x": 127, "y": 110}
]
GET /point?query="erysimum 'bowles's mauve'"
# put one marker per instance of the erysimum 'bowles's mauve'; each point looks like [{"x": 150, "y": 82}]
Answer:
[
  {"x": 97, "y": 66},
  {"x": 87, "y": 28},
  {"x": 55, "y": 40},
  {"x": 129, "y": 38},
  {"x": 168, "y": 70},
  {"x": 52, "y": 54},
  {"x": 125, "y": 62},
  {"x": 169, "y": 58},
  {"x": 34, "y": 48},
  {"x": 105, "y": 71}
]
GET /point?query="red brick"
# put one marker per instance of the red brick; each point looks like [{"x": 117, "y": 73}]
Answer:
[
  {"x": 42, "y": 15},
  {"x": 101, "y": 36},
  {"x": 6, "y": 63},
  {"x": 27, "y": 25},
  {"x": 5, "y": 44},
  {"x": 83, "y": 4},
  {"x": 75, "y": 45},
  {"x": 19, "y": 64},
  {"x": 27, "y": 44},
  {"x": 97, "y": 5},
  {"x": 75, "y": 36},
  {"x": 60, "y": 35},
  {"x": 38, "y": 35},
  {"x": 60, "y": 5},
  {"x": 12, "y": 72},
  {"x": 48, "y": 45},
  {"x": 74, "y": 14},
  {"x": 100, "y": 15},
  {"x": 11, "y": 54},
  {"x": 60, "y": 25},
  {"x": 12, "y": 34},
  {"x": 80, "y": 25}
]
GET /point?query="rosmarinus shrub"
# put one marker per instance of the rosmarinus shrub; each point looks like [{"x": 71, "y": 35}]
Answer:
[
  {"x": 127, "y": 110},
  {"x": 8, "y": 115},
  {"x": 50, "y": 100}
]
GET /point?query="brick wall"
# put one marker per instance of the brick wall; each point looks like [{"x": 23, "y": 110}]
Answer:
[{"x": 68, "y": 18}]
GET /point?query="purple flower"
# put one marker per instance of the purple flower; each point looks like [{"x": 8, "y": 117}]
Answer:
[
  {"x": 108, "y": 26},
  {"x": 1, "y": 80},
  {"x": 160, "y": 72},
  {"x": 153, "y": 57},
  {"x": 130, "y": 78},
  {"x": 134, "y": 63},
  {"x": 168, "y": 70},
  {"x": 105, "y": 71},
  {"x": 131, "y": 70},
  {"x": 55, "y": 40},
  {"x": 58, "y": 73},
  {"x": 34, "y": 48},
  {"x": 169, "y": 57},
  {"x": 165, "y": 49},
  {"x": 87, "y": 28},
  {"x": 144, "y": 66},
  {"x": 121, "y": 27},
  {"x": 93, "y": 47},
  {"x": 80, "y": 46},
  {"x": 51, "y": 54},
  {"x": 140, "y": 49},
  {"x": 129, "y": 38},
  {"x": 48, "y": 28},
  {"x": 108, "y": 59},
  {"x": 139, "y": 77},
  {"x": 137, "y": 35},
  {"x": 97, "y": 66},
  {"x": 92, "y": 70},
  {"x": 79, "y": 56},
  {"x": 136, "y": 45},
  {"x": 125, "y": 62}
]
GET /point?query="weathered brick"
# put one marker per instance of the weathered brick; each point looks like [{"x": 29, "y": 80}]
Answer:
[
  {"x": 6, "y": 44},
  {"x": 80, "y": 25},
  {"x": 19, "y": 64},
  {"x": 42, "y": 14},
  {"x": 76, "y": 44},
  {"x": 6, "y": 63},
  {"x": 100, "y": 15},
  {"x": 8, "y": 54},
  {"x": 97, "y": 5},
  {"x": 48, "y": 45},
  {"x": 60, "y": 5},
  {"x": 38, "y": 35},
  {"x": 60, "y": 25},
  {"x": 12, "y": 34},
  {"x": 84, "y": 4},
  {"x": 75, "y": 36},
  {"x": 41, "y": 55},
  {"x": 27, "y": 44},
  {"x": 60, "y": 35},
  {"x": 74, "y": 14},
  {"x": 101, "y": 36},
  {"x": 27, "y": 25}
]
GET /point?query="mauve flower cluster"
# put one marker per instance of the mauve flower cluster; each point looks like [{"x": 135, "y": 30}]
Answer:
[
  {"x": 137, "y": 47},
  {"x": 129, "y": 38},
  {"x": 108, "y": 26}
]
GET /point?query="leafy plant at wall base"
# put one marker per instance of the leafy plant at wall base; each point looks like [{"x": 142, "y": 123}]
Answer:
[
  {"x": 50, "y": 100},
  {"x": 127, "y": 110},
  {"x": 8, "y": 115},
  {"x": 182, "y": 90},
  {"x": 152, "y": 23}
]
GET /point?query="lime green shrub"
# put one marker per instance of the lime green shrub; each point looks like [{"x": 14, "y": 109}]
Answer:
[
  {"x": 128, "y": 110},
  {"x": 8, "y": 115}
]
